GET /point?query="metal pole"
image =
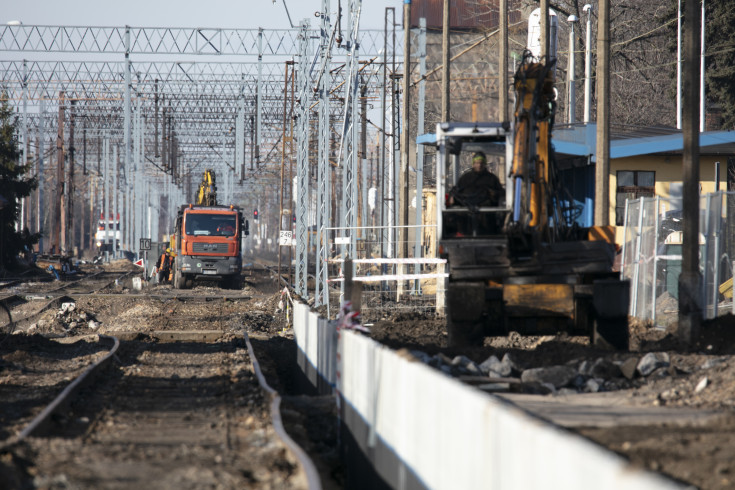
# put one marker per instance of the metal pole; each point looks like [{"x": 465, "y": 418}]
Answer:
[
  {"x": 240, "y": 131},
  {"x": 291, "y": 193},
  {"x": 418, "y": 242},
  {"x": 678, "y": 68},
  {"x": 22, "y": 223},
  {"x": 41, "y": 181},
  {"x": 324, "y": 193},
  {"x": 502, "y": 64},
  {"x": 106, "y": 191},
  {"x": 381, "y": 202},
  {"x": 71, "y": 190},
  {"x": 588, "y": 65},
  {"x": 544, "y": 34},
  {"x": 445, "y": 63},
  {"x": 602, "y": 167},
  {"x": 572, "y": 97},
  {"x": 60, "y": 221},
  {"x": 127, "y": 140},
  {"x": 283, "y": 164},
  {"x": 259, "y": 99},
  {"x": 405, "y": 129},
  {"x": 113, "y": 195},
  {"x": 302, "y": 171},
  {"x": 655, "y": 259}
]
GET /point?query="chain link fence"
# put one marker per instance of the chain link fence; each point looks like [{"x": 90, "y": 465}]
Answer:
[{"x": 652, "y": 260}]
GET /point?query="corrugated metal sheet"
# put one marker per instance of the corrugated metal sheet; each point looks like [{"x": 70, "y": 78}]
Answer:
[{"x": 463, "y": 14}]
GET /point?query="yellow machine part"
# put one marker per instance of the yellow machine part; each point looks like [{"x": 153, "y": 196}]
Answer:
[
  {"x": 207, "y": 193},
  {"x": 529, "y": 300},
  {"x": 726, "y": 288},
  {"x": 539, "y": 174},
  {"x": 172, "y": 246}
]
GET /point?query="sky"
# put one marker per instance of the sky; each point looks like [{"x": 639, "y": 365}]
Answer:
[{"x": 240, "y": 14}]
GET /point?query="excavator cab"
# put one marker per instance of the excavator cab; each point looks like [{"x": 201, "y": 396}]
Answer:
[{"x": 466, "y": 211}]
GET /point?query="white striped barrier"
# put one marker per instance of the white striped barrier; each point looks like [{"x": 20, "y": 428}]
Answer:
[{"x": 415, "y": 427}]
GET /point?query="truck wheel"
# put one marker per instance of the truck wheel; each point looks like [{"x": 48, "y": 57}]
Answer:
[
  {"x": 232, "y": 282},
  {"x": 610, "y": 334},
  {"x": 179, "y": 280}
]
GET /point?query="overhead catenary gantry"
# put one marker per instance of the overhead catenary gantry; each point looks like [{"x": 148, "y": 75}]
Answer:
[{"x": 152, "y": 106}]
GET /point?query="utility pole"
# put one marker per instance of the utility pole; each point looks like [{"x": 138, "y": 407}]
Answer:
[
  {"x": 281, "y": 225},
  {"x": 445, "y": 62},
  {"x": 59, "y": 221},
  {"x": 362, "y": 161},
  {"x": 602, "y": 166},
  {"x": 405, "y": 125},
  {"x": 155, "y": 120},
  {"x": 503, "y": 62},
  {"x": 690, "y": 279},
  {"x": 571, "y": 66},
  {"x": 69, "y": 229},
  {"x": 42, "y": 188},
  {"x": 544, "y": 11},
  {"x": 588, "y": 64}
]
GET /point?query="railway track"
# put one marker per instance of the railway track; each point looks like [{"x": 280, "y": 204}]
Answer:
[
  {"x": 26, "y": 301},
  {"x": 182, "y": 404},
  {"x": 186, "y": 414}
]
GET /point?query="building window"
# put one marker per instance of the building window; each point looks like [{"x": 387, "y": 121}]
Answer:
[{"x": 632, "y": 184}]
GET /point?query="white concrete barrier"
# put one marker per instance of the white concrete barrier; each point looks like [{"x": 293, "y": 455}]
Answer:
[{"x": 418, "y": 428}]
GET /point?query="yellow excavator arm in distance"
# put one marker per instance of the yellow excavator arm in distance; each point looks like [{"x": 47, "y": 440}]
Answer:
[{"x": 207, "y": 193}]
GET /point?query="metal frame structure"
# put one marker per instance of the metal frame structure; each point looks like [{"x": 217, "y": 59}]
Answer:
[{"x": 157, "y": 105}]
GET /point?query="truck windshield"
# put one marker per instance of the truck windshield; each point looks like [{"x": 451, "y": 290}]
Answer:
[{"x": 210, "y": 224}]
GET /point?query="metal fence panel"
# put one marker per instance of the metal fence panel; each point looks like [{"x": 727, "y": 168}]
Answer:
[{"x": 651, "y": 257}]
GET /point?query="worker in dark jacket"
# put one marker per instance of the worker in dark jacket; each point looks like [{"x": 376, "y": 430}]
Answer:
[
  {"x": 164, "y": 266},
  {"x": 477, "y": 187}
]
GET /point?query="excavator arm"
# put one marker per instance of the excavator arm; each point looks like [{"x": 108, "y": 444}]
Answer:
[{"x": 207, "y": 193}]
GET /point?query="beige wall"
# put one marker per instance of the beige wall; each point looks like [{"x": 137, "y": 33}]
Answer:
[{"x": 668, "y": 170}]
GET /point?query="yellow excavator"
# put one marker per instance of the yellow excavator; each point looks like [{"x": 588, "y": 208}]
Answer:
[
  {"x": 523, "y": 265},
  {"x": 207, "y": 193}
]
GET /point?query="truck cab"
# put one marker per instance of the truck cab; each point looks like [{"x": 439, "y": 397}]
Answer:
[{"x": 208, "y": 245}]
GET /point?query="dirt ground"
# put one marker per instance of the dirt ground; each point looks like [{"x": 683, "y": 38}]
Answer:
[{"x": 702, "y": 377}]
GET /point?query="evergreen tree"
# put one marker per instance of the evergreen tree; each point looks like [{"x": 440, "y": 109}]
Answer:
[
  {"x": 720, "y": 57},
  {"x": 14, "y": 185}
]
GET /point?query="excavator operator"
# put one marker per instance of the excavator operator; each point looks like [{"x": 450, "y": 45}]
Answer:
[{"x": 477, "y": 187}]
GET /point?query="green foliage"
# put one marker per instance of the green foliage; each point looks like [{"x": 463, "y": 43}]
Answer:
[
  {"x": 14, "y": 185},
  {"x": 720, "y": 57}
]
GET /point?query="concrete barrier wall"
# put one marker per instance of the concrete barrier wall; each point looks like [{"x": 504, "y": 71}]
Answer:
[
  {"x": 317, "y": 348},
  {"x": 419, "y": 428}
]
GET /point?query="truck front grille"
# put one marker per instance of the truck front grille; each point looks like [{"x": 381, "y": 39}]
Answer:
[{"x": 217, "y": 248}]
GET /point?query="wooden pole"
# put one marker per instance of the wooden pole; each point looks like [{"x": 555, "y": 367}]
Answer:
[{"x": 690, "y": 280}]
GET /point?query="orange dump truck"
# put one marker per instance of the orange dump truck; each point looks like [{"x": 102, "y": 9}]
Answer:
[{"x": 207, "y": 244}]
